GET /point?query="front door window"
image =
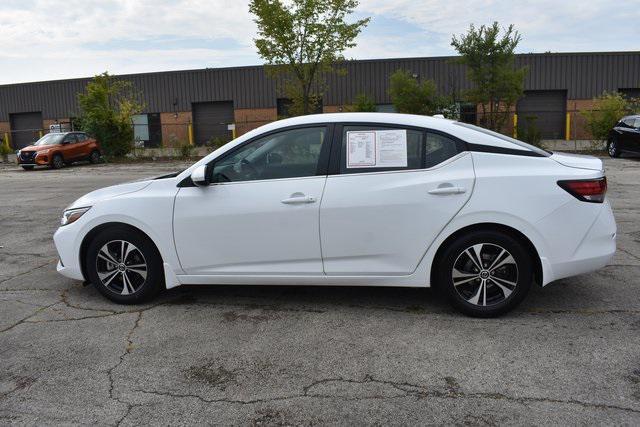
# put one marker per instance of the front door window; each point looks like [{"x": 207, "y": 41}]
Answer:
[{"x": 289, "y": 154}]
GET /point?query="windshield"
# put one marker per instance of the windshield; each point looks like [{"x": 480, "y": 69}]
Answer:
[
  {"x": 506, "y": 138},
  {"x": 50, "y": 139}
]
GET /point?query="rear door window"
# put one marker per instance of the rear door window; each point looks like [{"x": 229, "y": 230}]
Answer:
[
  {"x": 69, "y": 139},
  {"x": 379, "y": 148}
]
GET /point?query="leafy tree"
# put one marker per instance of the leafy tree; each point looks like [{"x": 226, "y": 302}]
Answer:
[
  {"x": 489, "y": 58},
  {"x": 411, "y": 97},
  {"x": 364, "y": 104},
  {"x": 301, "y": 40},
  {"x": 607, "y": 109},
  {"x": 106, "y": 109}
]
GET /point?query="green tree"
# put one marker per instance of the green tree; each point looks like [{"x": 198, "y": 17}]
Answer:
[
  {"x": 607, "y": 109},
  {"x": 301, "y": 41},
  {"x": 490, "y": 60},
  {"x": 412, "y": 97},
  {"x": 363, "y": 104},
  {"x": 106, "y": 109}
]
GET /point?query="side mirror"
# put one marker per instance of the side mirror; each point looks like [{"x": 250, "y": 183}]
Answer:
[{"x": 200, "y": 177}]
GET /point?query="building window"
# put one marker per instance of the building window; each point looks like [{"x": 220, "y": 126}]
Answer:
[{"x": 147, "y": 131}]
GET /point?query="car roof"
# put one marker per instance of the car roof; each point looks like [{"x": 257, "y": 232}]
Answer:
[{"x": 451, "y": 127}]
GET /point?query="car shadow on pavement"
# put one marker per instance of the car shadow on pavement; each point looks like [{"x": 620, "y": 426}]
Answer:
[{"x": 311, "y": 298}]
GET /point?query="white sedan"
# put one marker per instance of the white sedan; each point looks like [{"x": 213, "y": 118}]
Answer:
[{"x": 351, "y": 199}]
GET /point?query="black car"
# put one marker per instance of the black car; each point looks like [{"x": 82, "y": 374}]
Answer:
[{"x": 625, "y": 136}]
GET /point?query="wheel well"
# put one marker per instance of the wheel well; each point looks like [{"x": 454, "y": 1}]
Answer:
[
  {"x": 84, "y": 246},
  {"x": 516, "y": 234}
]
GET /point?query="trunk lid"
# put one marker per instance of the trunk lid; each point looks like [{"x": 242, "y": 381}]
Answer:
[{"x": 579, "y": 161}]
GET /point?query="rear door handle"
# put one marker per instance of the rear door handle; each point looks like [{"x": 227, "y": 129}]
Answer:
[
  {"x": 442, "y": 191},
  {"x": 298, "y": 198}
]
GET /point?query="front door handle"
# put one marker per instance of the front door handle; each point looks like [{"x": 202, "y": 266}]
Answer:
[
  {"x": 298, "y": 198},
  {"x": 442, "y": 191}
]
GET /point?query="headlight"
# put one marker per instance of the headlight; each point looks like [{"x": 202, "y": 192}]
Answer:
[{"x": 72, "y": 215}]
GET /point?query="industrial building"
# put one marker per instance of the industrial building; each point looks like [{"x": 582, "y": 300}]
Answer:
[{"x": 201, "y": 105}]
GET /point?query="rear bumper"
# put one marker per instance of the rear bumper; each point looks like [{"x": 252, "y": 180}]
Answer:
[{"x": 595, "y": 251}]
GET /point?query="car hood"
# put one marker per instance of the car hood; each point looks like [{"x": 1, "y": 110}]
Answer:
[
  {"x": 38, "y": 147},
  {"x": 90, "y": 199},
  {"x": 580, "y": 161}
]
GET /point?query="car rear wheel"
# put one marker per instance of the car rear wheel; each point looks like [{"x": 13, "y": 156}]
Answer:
[
  {"x": 124, "y": 265},
  {"x": 57, "y": 162},
  {"x": 94, "y": 157},
  {"x": 612, "y": 148},
  {"x": 485, "y": 273},
  {"x": 27, "y": 168}
]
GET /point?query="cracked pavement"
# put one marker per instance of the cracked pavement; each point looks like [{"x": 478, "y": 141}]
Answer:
[{"x": 570, "y": 354}]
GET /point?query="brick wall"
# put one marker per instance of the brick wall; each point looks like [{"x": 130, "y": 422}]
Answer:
[
  {"x": 247, "y": 119},
  {"x": 334, "y": 108},
  {"x": 578, "y": 123},
  {"x": 175, "y": 128}
]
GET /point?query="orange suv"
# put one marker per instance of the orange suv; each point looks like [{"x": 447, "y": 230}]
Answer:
[{"x": 58, "y": 149}]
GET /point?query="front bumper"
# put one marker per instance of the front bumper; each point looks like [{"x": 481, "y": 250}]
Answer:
[
  {"x": 36, "y": 160},
  {"x": 65, "y": 240}
]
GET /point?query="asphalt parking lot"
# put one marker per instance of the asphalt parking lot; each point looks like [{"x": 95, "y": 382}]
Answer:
[{"x": 570, "y": 354}]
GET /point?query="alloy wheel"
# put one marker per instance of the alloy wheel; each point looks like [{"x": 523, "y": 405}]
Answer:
[
  {"x": 612, "y": 148},
  {"x": 485, "y": 274},
  {"x": 58, "y": 162},
  {"x": 121, "y": 267}
]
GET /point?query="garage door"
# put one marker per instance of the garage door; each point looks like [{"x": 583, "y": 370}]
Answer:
[
  {"x": 210, "y": 121},
  {"x": 545, "y": 109},
  {"x": 25, "y": 128}
]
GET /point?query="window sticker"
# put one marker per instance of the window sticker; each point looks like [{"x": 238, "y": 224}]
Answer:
[
  {"x": 361, "y": 149},
  {"x": 377, "y": 149}
]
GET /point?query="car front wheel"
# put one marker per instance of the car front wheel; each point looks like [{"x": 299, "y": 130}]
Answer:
[
  {"x": 485, "y": 273},
  {"x": 57, "y": 162},
  {"x": 124, "y": 265}
]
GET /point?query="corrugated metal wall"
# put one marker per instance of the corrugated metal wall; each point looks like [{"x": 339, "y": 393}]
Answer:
[{"x": 583, "y": 75}]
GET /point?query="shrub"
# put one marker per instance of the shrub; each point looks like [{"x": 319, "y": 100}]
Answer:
[
  {"x": 364, "y": 104},
  {"x": 529, "y": 131},
  {"x": 186, "y": 149},
  {"x": 5, "y": 150},
  {"x": 607, "y": 110}
]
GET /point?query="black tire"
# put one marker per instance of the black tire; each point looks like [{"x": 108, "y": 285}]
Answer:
[
  {"x": 94, "y": 157},
  {"x": 612, "y": 148},
  {"x": 139, "y": 288},
  {"x": 57, "y": 161},
  {"x": 498, "y": 295},
  {"x": 27, "y": 168}
]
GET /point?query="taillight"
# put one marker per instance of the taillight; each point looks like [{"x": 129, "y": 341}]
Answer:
[{"x": 587, "y": 190}]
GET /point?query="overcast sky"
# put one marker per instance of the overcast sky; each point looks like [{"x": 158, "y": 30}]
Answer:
[{"x": 55, "y": 39}]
